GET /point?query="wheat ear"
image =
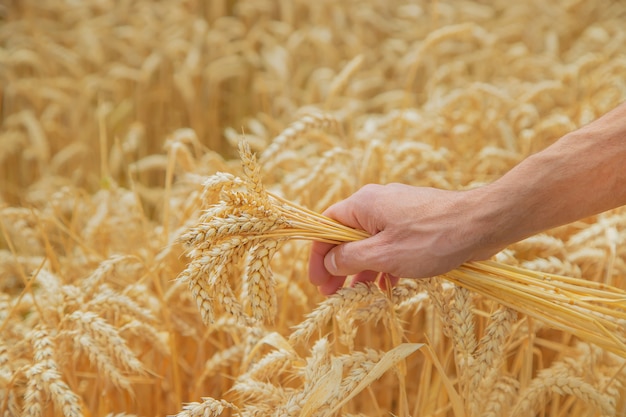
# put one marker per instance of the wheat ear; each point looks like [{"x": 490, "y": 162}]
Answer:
[{"x": 592, "y": 311}]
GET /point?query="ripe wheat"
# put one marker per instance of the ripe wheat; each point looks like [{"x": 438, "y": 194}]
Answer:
[{"x": 113, "y": 116}]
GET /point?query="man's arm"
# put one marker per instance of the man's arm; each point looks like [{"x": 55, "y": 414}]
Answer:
[
  {"x": 419, "y": 232},
  {"x": 582, "y": 174}
]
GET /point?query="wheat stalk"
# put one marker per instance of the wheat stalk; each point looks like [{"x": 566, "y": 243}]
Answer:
[
  {"x": 248, "y": 213},
  {"x": 592, "y": 311}
]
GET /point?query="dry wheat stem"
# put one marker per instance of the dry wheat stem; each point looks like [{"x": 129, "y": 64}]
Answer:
[
  {"x": 602, "y": 325},
  {"x": 592, "y": 311},
  {"x": 307, "y": 224},
  {"x": 589, "y": 310}
]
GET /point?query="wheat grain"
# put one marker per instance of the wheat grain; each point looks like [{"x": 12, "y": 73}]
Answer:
[
  {"x": 388, "y": 360},
  {"x": 208, "y": 408},
  {"x": 343, "y": 77},
  {"x": 297, "y": 128},
  {"x": 492, "y": 348},
  {"x": 356, "y": 366},
  {"x": 498, "y": 403},
  {"x": 199, "y": 289},
  {"x": 252, "y": 171},
  {"x": 463, "y": 331},
  {"x": 410, "y": 295},
  {"x": 148, "y": 333},
  {"x": 224, "y": 294},
  {"x": 223, "y": 358},
  {"x": 258, "y": 287},
  {"x": 559, "y": 379},
  {"x": 441, "y": 300},
  {"x": 105, "y": 347},
  {"x": 319, "y": 367},
  {"x": 113, "y": 303},
  {"x": 44, "y": 378},
  {"x": 19, "y": 227},
  {"x": 489, "y": 380},
  {"x": 344, "y": 297},
  {"x": 256, "y": 391},
  {"x": 373, "y": 165},
  {"x": 33, "y": 397},
  {"x": 270, "y": 365},
  {"x": 552, "y": 265},
  {"x": 540, "y": 246},
  {"x": 438, "y": 36},
  {"x": 326, "y": 162},
  {"x": 595, "y": 232}
]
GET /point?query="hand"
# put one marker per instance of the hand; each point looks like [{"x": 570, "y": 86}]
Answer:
[
  {"x": 416, "y": 232},
  {"x": 420, "y": 232}
]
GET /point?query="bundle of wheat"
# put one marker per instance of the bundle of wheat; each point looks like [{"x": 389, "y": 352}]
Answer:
[{"x": 250, "y": 222}]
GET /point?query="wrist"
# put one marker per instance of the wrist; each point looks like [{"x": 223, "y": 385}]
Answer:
[
  {"x": 526, "y": 200},
  {"x": 496, "y": 218}
]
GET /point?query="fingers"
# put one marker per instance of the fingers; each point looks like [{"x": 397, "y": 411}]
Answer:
[
  {"x": 330, "y": 264},
  {"x": 318, "y": 274},
  {"x": 354, "y": 257},
  {"x": 359, "y": 210},
  {"x": 365, "y": 276},
  {"x": 324, "y": 272},
  {"x": 332, "y": 285},
  {"x": 326, "y": 282}
]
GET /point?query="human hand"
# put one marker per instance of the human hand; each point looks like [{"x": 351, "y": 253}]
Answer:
[{"x": 416, "y": 232}]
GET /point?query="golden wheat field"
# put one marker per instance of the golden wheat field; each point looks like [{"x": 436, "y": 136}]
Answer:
[{"x": 145, "y": 143}]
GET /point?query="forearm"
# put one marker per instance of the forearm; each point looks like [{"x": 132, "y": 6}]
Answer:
[
  {"x": 420, "y": 232},
  {"x": 582, "y": 174}
]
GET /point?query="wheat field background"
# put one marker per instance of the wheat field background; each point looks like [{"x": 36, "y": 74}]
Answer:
[{"x": 113, "y": 115}]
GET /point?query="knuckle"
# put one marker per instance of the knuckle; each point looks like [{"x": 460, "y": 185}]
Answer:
[
  {"x": 379, "y": 254},
  {"x": 369, "y": 190}
]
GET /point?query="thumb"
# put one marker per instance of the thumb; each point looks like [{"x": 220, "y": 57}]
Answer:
[{"x": 353, "y": 257}]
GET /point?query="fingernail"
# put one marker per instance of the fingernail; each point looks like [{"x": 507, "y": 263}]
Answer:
[{"x": 330, "y": 263}]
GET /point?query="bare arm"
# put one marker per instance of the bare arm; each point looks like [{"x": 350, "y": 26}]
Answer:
[
  {"x": 582, "y": 174},
  {"x": 420, "y": 232}
]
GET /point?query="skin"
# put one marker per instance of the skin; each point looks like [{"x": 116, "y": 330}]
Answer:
[{"x": 419, "y": 232}]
